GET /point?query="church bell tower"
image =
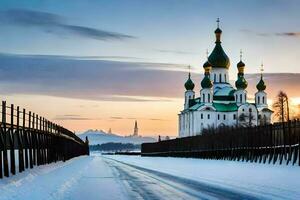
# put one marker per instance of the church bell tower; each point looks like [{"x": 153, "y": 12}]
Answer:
[{"x": 136, "y": 130}]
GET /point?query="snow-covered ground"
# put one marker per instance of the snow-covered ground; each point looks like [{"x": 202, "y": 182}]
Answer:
[
  {"x": 258, "y": 180},
  {"x": 80, "y": 178},
  {"x": 133, "y": 177}
]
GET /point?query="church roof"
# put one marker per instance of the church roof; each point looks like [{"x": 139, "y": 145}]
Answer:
[
  {"x": 264, "y": 110},
  {"x": 223, "y": 92},
  {"x": 222, "y": 107},
  {"x": 196, "y": 106}
]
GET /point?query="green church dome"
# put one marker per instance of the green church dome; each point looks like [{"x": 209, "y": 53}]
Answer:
[
  {"x": 189, "y": 85},
  {"x": 240, "y": 64},
  {"x": 206, "y": 82},
  {"x": 218, "y": 57},
  {"x": 206, "y": 64},
  {"x": 261, "y": 86},
  {"x": 218, "y": 30},
  {"x": 241, "y": 83}
]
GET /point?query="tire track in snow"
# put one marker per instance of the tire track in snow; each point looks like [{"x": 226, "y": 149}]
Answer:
[{"x": 170, "y": 186}]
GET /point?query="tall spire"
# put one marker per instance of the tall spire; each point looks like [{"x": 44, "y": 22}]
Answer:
[
  {"x": 218, "y": 22},
  {"x": 135, "y": 131}
]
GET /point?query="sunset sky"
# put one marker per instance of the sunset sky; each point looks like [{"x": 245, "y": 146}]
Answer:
[{"x": 91, "y": 64}]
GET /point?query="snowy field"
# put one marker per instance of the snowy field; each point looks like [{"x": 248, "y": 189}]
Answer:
[{"x": 112, "y": 177}]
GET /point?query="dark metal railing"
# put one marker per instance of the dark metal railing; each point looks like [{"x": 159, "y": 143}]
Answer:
[
  {"x": 36, "y": 140},
  {"x": 273, "y": 143}
]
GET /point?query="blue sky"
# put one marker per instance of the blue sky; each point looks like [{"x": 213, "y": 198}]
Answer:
[
  {"x": 115, "y": 56},
  {"x": 167, "y": 31}
]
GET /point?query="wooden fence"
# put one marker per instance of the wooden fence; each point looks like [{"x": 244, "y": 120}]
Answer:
[
  {"x": 27, "y": 139},
  {"x": 274, "y": 143}
]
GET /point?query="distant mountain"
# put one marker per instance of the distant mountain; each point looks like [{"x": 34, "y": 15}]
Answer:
[{"x": 100, "y": 137}]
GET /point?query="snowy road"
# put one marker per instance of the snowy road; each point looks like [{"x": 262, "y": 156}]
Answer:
[
  {"x": 123, "y": 177},
  {"x": 143, "y": 183}
]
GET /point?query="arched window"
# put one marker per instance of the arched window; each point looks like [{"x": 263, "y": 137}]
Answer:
[
  {"x": 225, "y": 77},
  {"x": 263, "y": 100},
  {"x": 250, "y": 110},
  {"x": 203, "y": 96},
  {"x": 220, "y": 77},
  {"x": 201, "y": 116},
  {"x": 215, "y": 78},
  {"x": 208, "y": 116},
  {"x": 218, "y": 116},
  {"x": 224, "y": 117},
  {"x": 241, "y": 98},
  {"x": 208, "y": 96},
  {"x": 258, "y": 99},
  {"x": 234, "y": 116}
]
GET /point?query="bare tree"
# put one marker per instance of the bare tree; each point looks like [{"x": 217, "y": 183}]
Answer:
[{"x": 281, "y": 107}]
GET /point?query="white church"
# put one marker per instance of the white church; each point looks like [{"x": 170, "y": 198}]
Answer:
[{"x": 220, "y": 104}]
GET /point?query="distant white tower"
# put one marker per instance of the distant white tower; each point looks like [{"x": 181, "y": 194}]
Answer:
[{"x": 136, "y": 130}]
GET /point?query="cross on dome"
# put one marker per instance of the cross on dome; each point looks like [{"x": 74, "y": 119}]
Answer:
[
  {"x": 261, "y": 68},
  {"x": 241, "y": 55},
  {"x": 189, "y": 68}
]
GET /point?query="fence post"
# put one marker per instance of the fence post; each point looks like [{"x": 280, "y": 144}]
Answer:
[
  {"x": 12, "y": 142},
  {"x": 5, "y": 158},
  {"x": 25, "y": 139},
  {"x": 43, "y": 141},
  {"x": 33, "y": 137},
  {"x": 20, "y": 142},
  {"x": 38, "y": 157},
  {"x": 30, "y": 141}
]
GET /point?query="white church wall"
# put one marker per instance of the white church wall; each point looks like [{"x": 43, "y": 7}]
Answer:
[
  {"x": 189, "y": 94},
  {"x": 240, "y": 96},
  {"x": 230, "y": 118},
  {"x": 219, "y": 75},
  {"x": 261, "y": 99}
]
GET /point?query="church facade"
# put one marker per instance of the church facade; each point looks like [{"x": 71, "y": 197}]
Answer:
[{"x": 221, "y": 104}]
